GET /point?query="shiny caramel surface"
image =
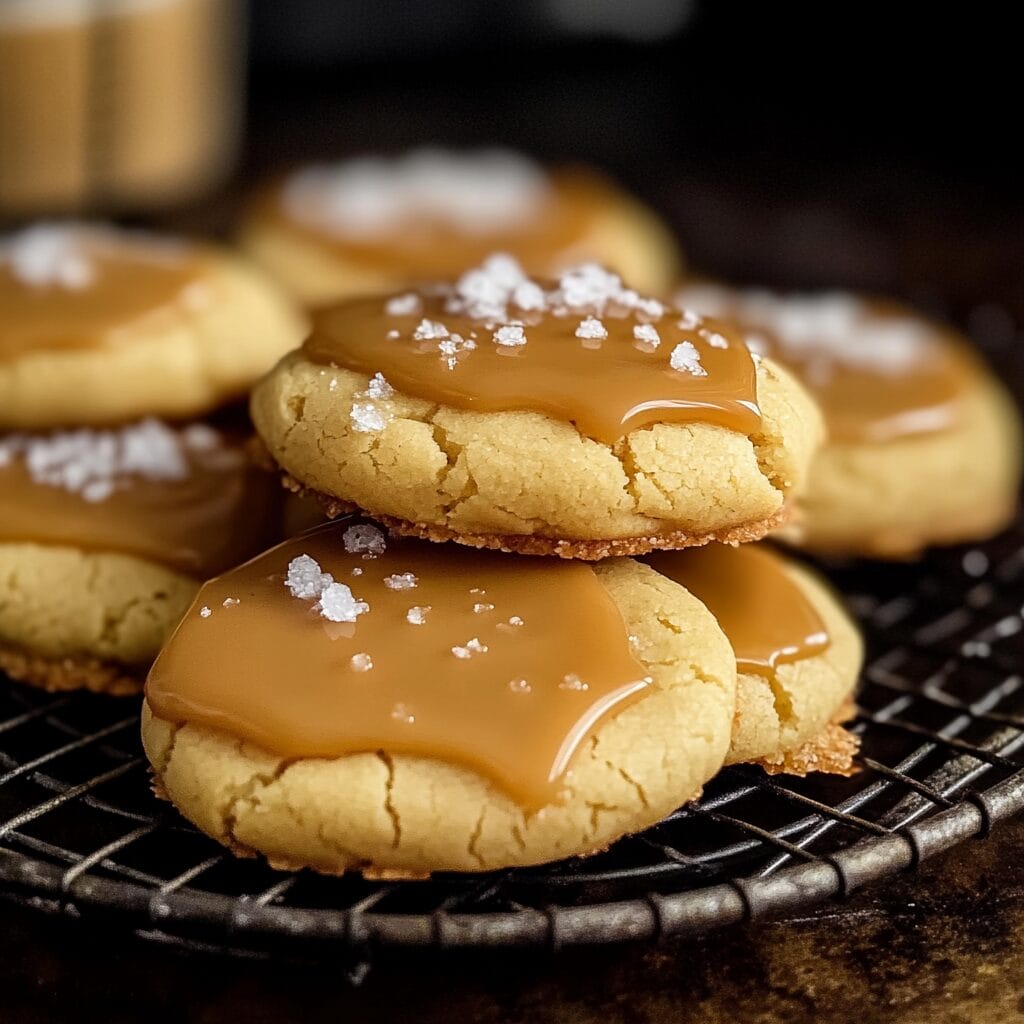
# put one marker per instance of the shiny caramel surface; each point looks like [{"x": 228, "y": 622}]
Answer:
[
  {"x": 879, "y": 371},
  {"x": 217, "y": 516},
  {"x": 605, "y": 386},
  {"x": 551, "y": 233},
  {"x": 510, "y": 665},
  {"x": 765, "y": 615},
  {"x": 66, "y": 287}
]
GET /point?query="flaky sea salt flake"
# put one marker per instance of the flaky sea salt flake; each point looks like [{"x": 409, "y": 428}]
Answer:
[
  {"x": 363, "y": 539},
  {"x": 401, "y": 581},
  {"x": 686, "y": 359},
  {"x": 367, "y": 418},
  {"x": 510, "y": 336},
  {"x": 417, "y": 614},
  {"x": 361, "y": 662},
  {"x": 591, "y": 328},
  {"x": 337, "y": 604},
  {"x": 408, "y": 304}
]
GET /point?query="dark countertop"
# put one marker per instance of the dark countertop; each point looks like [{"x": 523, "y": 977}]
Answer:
[{"x": 943, "y": 945}]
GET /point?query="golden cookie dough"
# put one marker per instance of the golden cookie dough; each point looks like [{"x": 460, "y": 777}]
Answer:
[
  {"x": 892, "y": 500},
  {"x": 181, "y": 360},
  {"x": 71, "y": 618},
  {"x": 525, "y": 482},
  {"x": 607, "y": 225},
  {"x": 777, "y": 717},
  {"x": 409, "y": 816}
]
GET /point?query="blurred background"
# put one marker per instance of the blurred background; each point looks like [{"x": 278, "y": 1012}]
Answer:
[{"x": 793, "y": 144}]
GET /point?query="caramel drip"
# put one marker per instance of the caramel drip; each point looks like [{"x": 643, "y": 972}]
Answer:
[
  {"x": 606, "y": 388},
  {"x": 128, "y": 287},
  {"x": 265, "y": 666},
  {"x": 218, "y": 516},
  {"x": 764, "y": 613},
  {"x": 429, "y": 249}
]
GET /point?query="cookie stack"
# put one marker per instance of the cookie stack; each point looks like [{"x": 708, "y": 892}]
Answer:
[
  {"x": 504, "y": 666},
  {"x": 119, "y": 494}
]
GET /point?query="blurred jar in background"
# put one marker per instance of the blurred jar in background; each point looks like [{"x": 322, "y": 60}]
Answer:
[{"x": 116, "y": 104}]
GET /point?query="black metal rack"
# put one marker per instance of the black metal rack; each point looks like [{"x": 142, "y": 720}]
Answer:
[{"x": 942, "y": 726}]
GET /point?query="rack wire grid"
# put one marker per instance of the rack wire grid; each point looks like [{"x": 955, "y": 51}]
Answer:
[{"x": 941, "y": 720}]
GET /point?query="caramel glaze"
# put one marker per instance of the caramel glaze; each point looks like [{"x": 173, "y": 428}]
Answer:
[
  {"x": 864, "y": 404},
  {"x": 605, "y": 388},
  {"x": 429, "y": 249},
  {"x": 132, "y": 281},
  {"x": 213, "y": 519},
  {"x": 765, "y": 615},
  {"x": 271, "y": 670}
]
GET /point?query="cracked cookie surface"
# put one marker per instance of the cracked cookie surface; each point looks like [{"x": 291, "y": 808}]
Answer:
[
  {"x": 74, "y": 619},
  {"x": 409, "y": 816},
  {"x": 500, "y": 475}
]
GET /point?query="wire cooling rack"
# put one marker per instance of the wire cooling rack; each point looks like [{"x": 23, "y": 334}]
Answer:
[{"x": 942, "y": 727}]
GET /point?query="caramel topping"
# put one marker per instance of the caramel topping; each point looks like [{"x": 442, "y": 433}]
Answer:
[
  {"x": 586, "y": 350},
  {"x": 766, "y": 616},
  {"x": 390, "y": 215},
  {"x": 66, "y": 286},
  {"x": 322, "y": 648},
  {"x": 198, "y": 508},
  {"x": 879, "y": 371}
]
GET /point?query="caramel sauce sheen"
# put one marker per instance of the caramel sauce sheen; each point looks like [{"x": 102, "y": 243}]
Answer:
[
  {"x": 763, "y": 612},
  {"x": 426, "y": 248},
  {"x": 201, "y": 525},
  {"x": 130, "y": 284},
  {"x": 271, "y": 670},
  {"x": 606, "y": 388}
]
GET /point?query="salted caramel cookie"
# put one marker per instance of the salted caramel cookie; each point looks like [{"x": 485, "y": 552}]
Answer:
[
  {"x": 400, "y": 709},
  {"x": 924, "y": 446},
  {"x": 798, "y": 654},
  {"x": 576, "y": 418},
  {"x": 105, "y": 537},
  {"x": 99, "y": 325},
  {"x": 329, "y": 232}
]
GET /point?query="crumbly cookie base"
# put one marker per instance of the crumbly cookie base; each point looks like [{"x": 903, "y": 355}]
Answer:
[
  {"x": 530, "y": 544},
  {"x": 58, "y": 675},
  {"x": 832, "y": 751}
]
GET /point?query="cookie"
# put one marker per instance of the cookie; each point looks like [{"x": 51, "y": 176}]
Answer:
[
  {"x": 105, "y": 537},
  {"x": 924, "y": 446},
  {"x": 99, "y": 326},
  {"x": 403, "y": 709},
  {"x": 575, "y": 418},
  {"x": 798, "y": 654},
  {"x": 330, "y": 232}
]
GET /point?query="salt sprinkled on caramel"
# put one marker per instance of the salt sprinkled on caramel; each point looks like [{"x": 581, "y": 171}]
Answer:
[
  {"x": 591, "y": 328},
  {"x": 510, "y": 335},
  {"x": 306, "y": 581},
  {"x": 401, "y": 581},
  {"x": 205, "y": 612},
  {"x": 361, "y": 662},
  {"x": 417, "y": 615},
  {"x": 363, "y": 539},
  {"x": 686, "y": 359},
  {"x": 648, "y": 335},
  {"x": 339, "y": 605},
  {"x": 476, "y": 193},
  {"x": 95, "y": 463},
  {"x": 409, "y": 304}
]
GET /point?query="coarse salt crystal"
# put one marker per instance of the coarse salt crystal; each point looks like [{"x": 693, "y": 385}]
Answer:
[
  {"x": 519, "y": 686},
  {"x": 591, "y": 328},
  {"x": 429, "y": 330},
  {"x": 367, "y": 418},
  {"x": 305, "y": 579},
  {"x": 473, "y": 646},
  {"x": 528, "y": 295},
  {"x": 689, "y": 320},
  {"x": 205, "y": 611},
  {"x": 686, "y": 359},
  {"x": 510, "y": 335},
  {"x": 337, "y": 604},
  {"x": 648, "y": 334},
  {"x": 482, "y": 606},
  {"x": 230, "y": 602},
  {"x": 417, "y": 615},
  {"x": 404, "y": 305},
  {"x": 361, "y": 662},
  {"x": 401, "y": 581},
  {"x": 403, "y": 713},
  {"x": 515, "y": 620},
  {"x": 379, "y": 388},
  {"x": 716, "y": 340},
  {"x": 363, "y": 539}
]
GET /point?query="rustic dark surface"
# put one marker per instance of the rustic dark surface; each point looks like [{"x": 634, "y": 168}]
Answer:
[{"x": 944, "y": 945}]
